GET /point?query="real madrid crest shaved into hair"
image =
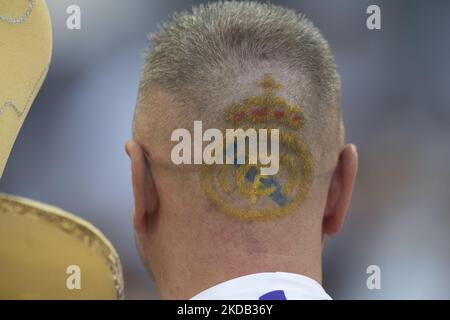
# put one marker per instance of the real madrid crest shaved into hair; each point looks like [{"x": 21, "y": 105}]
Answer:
[
  {"x": 249, "y": 66},
  {"x": 259, "y": 197}
]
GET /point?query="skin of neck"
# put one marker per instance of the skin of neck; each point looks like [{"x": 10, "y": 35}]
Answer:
[{"x": 187, "y": 253}]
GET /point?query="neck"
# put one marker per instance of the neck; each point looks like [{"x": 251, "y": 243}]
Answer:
[{"x": 185, "y": 275}]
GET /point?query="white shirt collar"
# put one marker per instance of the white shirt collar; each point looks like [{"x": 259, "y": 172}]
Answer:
[{"x": 266, "y": 286}]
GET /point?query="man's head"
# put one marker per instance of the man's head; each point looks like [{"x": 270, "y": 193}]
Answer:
[{"x": 238, "y": 65}]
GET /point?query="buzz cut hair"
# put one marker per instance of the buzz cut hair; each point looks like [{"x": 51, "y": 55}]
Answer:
[
  {"x": 237, "y": 35},
  {"x": 214, "y": 55}
]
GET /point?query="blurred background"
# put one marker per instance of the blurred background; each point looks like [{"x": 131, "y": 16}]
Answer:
[{"x": 396, "y": 100}]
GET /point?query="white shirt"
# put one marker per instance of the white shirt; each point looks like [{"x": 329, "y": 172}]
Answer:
[{"x": 266, "y": 286}]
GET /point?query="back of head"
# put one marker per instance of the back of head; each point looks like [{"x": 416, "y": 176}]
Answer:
[{"x": 241, "y": 65}]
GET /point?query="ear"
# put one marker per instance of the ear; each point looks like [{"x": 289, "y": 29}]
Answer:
[
  {"x": 145, "y": 194},
  {"x": 340, "y": 191}
]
